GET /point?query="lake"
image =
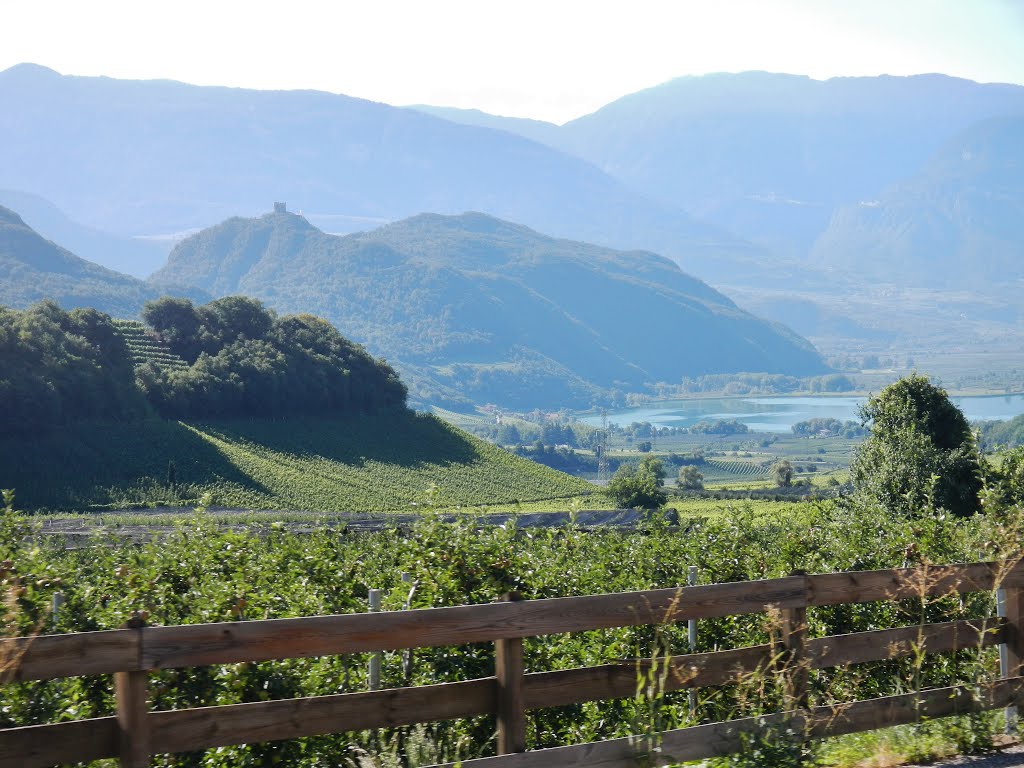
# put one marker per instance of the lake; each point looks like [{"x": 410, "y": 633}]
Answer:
[{"x": 779, "y": 414}]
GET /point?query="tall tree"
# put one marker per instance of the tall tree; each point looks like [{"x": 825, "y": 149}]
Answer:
[{"x": 920, "y": 452}]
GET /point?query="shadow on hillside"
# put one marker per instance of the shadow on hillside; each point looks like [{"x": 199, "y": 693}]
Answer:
[
  {"x": 95, "y": 463},
  {"x": 405, "y": 439}
]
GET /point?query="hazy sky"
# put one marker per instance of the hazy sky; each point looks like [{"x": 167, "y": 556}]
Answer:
[{"x": 549, "y": 59}]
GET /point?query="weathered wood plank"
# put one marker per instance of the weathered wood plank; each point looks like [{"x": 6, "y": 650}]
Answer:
[
  {"x": 881, "y": 644},
  {"x": 872, "y": 714},
  {"x": 614, "y": 681},
  {"x": 1014, "y": 602},
  {"x": 206, "y": 727},
  {"x": 903, "y": 583},
  {"x": 719, "y": 739},
  {"x": 38, "y": 746},
  {"x": 231, "y": 642},
  {"x": 84, "y": 653},
  {"x": 54, "y": 656}
]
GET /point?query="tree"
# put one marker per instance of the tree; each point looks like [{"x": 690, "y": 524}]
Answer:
[
  {"x": 636, "y": 488},
  {"x": 783, "y": 474},
  {"x": 690, "y": 478},
  {"x": 920, "y": 452},
  {"x": 176, "y": 322},
  {"x": 653, "y": 466}
]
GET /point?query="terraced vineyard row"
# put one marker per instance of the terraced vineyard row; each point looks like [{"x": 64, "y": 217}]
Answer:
[
  {"x": 741, "y": 468},
  {"x": 145, "y": 348}
]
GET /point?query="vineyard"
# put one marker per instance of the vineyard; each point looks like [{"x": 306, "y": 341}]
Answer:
[
  {"x": 384, "y": 462},
  {"x": 722, "y": 469},
  {"x": 201, "y": 574},
  {"x": 144, "y": 347}
]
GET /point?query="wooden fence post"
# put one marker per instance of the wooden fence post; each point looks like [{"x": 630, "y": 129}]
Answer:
[
  {"x": 794, "y": 643},
  {"x": 373, "y": 672},
  {"x": 131, "y": 690},
  {"x": 691, "y": 636},
  {"x": 1013, "y": 602},
  {"x": 508, "y": 669}
]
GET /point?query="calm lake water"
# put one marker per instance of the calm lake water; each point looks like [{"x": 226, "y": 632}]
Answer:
[{"x": 779, "y": 414}]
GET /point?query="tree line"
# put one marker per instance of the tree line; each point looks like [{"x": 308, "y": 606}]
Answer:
[{"x": 242, "y": 360}]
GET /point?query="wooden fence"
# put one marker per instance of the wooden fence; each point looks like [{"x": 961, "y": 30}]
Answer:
[{"x": 137, "y": 732}]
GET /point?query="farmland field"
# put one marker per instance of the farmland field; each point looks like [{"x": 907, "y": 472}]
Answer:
[
  {"x": 201, "y": 574},
  {"x": 386, "y": 462}
]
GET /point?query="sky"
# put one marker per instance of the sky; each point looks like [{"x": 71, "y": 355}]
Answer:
[{"x": 550, "y": 60}]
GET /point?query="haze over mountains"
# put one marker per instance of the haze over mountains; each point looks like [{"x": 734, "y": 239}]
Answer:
[
  {"x": 855, "y": 184},
  {"x": 138, "y": 257},
  {"x": 33, "y": 268},
  {"x": 770, "y": 156},
  {"x": 957, "y": 221},
  {"x": 157, "y": 157},
  {"x": 836, "y": 207}
]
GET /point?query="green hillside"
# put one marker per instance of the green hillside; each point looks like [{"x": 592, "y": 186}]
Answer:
[
  {"x": 384, "y": 462},
  {"x": 32, "y": 269},
  {"x": 475, "y": 308}
]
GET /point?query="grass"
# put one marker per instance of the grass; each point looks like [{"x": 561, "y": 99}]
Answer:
[
  {"x": 925, "y": 742},
  {"x": 386, "y": 462}
]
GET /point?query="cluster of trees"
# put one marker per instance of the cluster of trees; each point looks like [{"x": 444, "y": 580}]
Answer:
[
  {"x": 641, "y": 486},
  {"x": 59, "y": 367},
  {"x": 720, "y": 427},
  {"x": 513, "y": 432},
  {"x": 758, "y": 384},
  {"x": 243, "y": 360},
  {"x": 1007, "y": 434},
  {"x": 869, "y": 362},
  {"x": 830, "y": 427}
]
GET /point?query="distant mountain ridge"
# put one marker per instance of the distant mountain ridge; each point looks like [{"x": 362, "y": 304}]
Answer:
[
  {"x": 33, "y": 268},
  {"x": 133, "y": 256},
  {"x": 958, "y": 221},
  {"x": 771, "y": 156},
  {"x": 475, "y": 307},
  {"x": 152, "y": 157}
]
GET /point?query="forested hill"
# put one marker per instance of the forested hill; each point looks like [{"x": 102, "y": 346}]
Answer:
[
  {"x": 475, "y": 307},
  {"x": 33, "y": 268},
  {"x": 275, "y": 413},
  {"x": 237, "y": 359}
]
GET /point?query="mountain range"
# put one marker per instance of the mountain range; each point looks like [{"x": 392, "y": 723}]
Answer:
[
  {"x": 161, "y": 157},
  {"x": 837, "y": 207},
  {"x": 958, "y": 221},
  {"x": 883, "y": 234},
  {"x": 770, "y": 156},
  {"x": 138, "y": 257}
]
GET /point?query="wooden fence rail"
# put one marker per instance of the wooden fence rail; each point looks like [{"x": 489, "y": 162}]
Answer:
[{"x": 135, "y": 732}]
